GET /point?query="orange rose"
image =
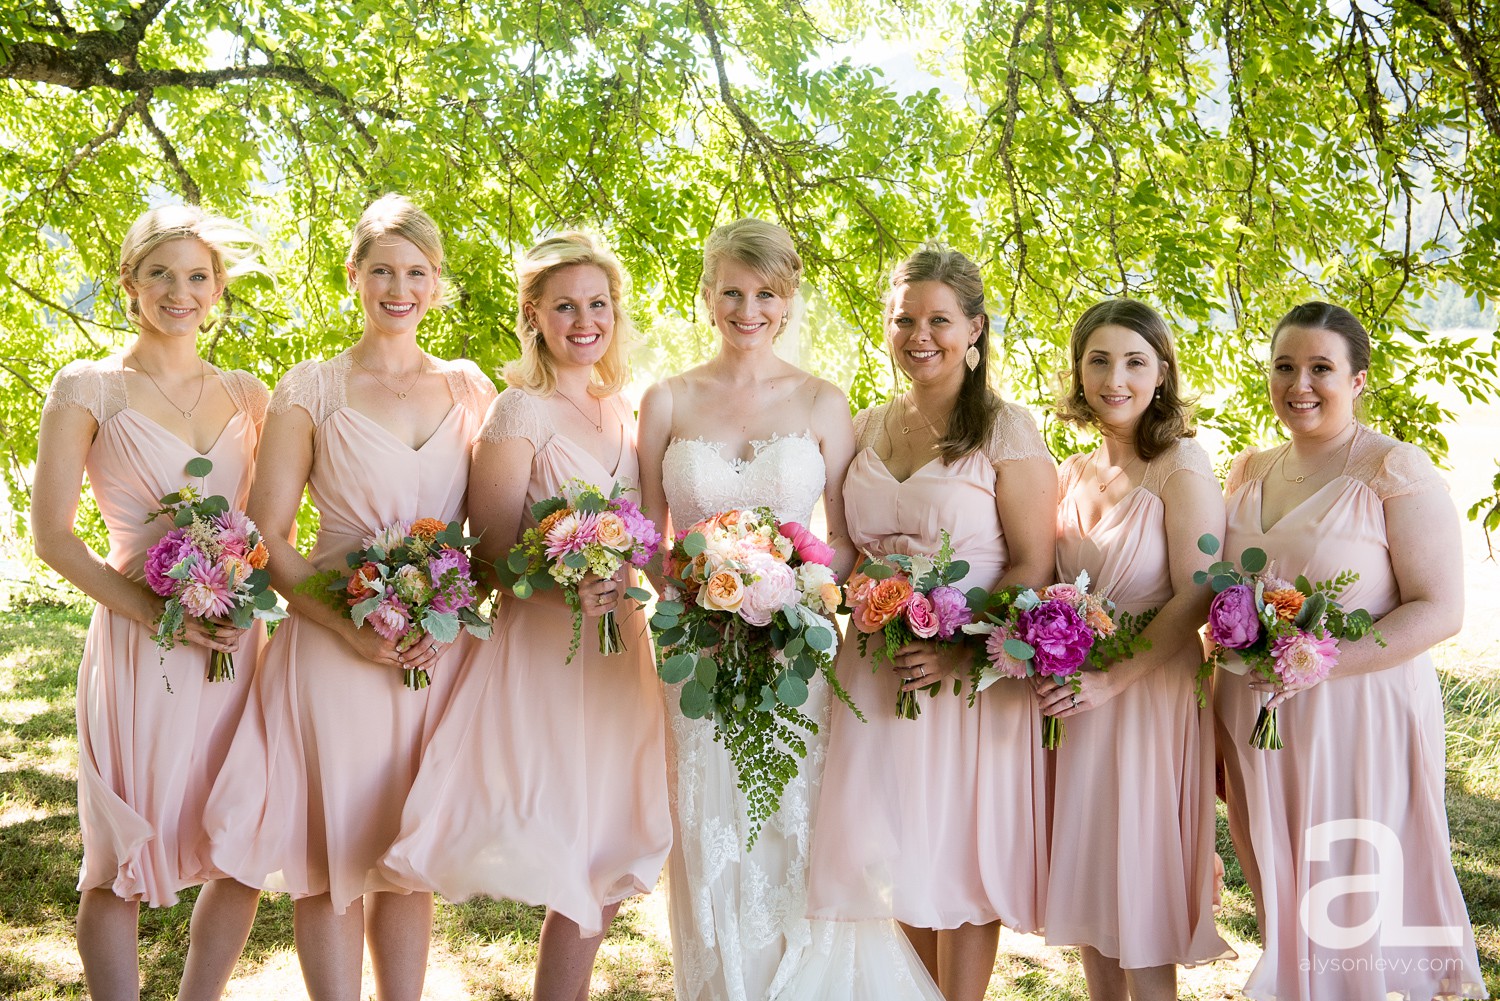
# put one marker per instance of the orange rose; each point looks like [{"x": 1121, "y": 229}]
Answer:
[
  {"x": 258, "y": 557},
  {"x": 829, "y": 593},
  {"x": 858, "y": 588},
  {"x": 427, "y": 528},
  {"x": 723, "y": 591},
  {"x": 886, "y": 599},
  {"x": 238, "y": 569},
  {"x": 1100, "y": 622},
  {"x": 1287, "y": 602},
  {"x": 553, "y": 519},
  {"x": 361, "y": 584}
]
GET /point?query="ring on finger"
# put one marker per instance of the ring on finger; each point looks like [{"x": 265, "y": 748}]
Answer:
[{"x": 1075, "y": 702}]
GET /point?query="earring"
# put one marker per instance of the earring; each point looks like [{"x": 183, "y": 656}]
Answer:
[{"x": 971, "y": 357}]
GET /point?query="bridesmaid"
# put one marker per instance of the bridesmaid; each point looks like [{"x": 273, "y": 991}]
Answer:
[
  {"x": 152, "y": 730},
  {"x": 546, "y": 781},
  {"x": 939, "y": 821},
  {"x": 1132, "y": 860},
  {"x": 1354, "y": 801},
  {"x": 311, "y": 794}
]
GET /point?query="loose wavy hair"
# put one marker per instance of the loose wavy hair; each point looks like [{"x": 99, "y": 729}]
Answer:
[{"x": 232, "y": 248}]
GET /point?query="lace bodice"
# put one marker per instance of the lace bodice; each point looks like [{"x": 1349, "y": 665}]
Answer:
[
  {"x": 99, "y": 388},
  {"x": 321, "y": 387},
  {"x": 1389, "y": 467},
  {"x": 785, "y": 474}
]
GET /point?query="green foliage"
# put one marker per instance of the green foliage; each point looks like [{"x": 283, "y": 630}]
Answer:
[{"x": 1222, "y": 161}]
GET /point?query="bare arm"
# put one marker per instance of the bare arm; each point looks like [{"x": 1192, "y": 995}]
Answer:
[
  {"x": 836, "y": 442},
  {"x": 62, "y": 447},
  {"x": 653, "y": 435},
  {"x": 1194, "y": 507},
  {"x": 1427, "y": 559}
]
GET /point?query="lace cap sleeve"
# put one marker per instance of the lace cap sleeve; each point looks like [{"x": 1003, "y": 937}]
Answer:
[
  {"x": 868, "y": 425},
  {"x": 515, "y": 414},
  {"x": 1184, "y": 454},
  {"x": 248, "y": 393},
  {"x": 300, "y": 387},
  {"x": 1014, "y": 436},
  {"x": 1405, "y": 470},
  {"x": 1069, "y": 470},
  {"x": 470, "y": 387},
  {"x": 1239, "y": 471},
  {"x": 78, "y": 384}
]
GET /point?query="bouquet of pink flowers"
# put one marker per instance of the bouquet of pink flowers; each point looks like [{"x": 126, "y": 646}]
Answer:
[
  {"x": 211, "y": 563},
  {"x": 908, "y": 598},
  {"x": 410, "y": 579},
  {"x": 1056, "y": 633},
  {"x": 1287, "y": 632},
  {"x": 746, "y": 623},
  {"x": 579, "y": 532}
]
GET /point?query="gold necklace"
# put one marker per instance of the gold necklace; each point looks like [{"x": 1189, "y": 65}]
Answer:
[
  {"x": 202, "y": 379},
  {"x": 926, "y": 422},
  {"x": 400, "y": 394},
  {"x": 1103, "y": 486},
  {"x": 1347, "y": 447},
  {"x": 598, "y": 424}
]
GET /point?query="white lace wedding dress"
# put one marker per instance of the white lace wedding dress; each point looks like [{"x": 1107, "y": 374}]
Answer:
[{"x": 739, "y": 925}]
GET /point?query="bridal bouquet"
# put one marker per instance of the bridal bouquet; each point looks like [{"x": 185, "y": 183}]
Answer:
[
  {"x": 1057, "y": 633},
  {"x": 211, "y": 563},
  {"x": 746, "y": 623},
  {"x": 579, "y": 532},
  {"x": 410, "y": 579},
  {"x": 908, "y": 598},
  {"x": 1287, "y": 632}
]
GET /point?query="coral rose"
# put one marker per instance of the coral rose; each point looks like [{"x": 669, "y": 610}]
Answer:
[
  {"x": 363, "y": 584},
  {"x": 612, "y": 532},
  {"x": 886, "y": 600},
  {"x": 259, "y": 556},
  {"x": 1286, "y": 601},
  {"x": 427, "y": 528},
  {"x": 723, "y": 591},
  {"x": 1099, "y": 621}
]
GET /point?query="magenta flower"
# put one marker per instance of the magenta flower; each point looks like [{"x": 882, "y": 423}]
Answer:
[
  {"x": 391, "y": 618},
  {"x": 809, "y": 548},
  {"x": 642, "y": 529},
  {"x": 952, "y": 610},
  {"x": 169, "y": 550},
  {"x": 921, "y": 619},
  {"x": 1302, "y": 658},
  {"x": 1059, "y": 636},
  {"x": 206, "y": 592},
  {"x": 1232, "y": 621},
  {"x": 449, "y": 570}
]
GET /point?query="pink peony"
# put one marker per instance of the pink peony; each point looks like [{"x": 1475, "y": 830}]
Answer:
[
  {"x": 390, "y": 619},
  {"x": 572, "y": 534},
  {"x": 170, "y": 550},
  {"x": 206, "y": 592},
  {"x": 920, "y": 617},
  {"x": 642, "y": 530},
  {"x": 952, "y": 610},
  {"x": 1232, "y": 622},
  {"x": 1304, "y": 659},
  {"x": 809, "y": 548},
  {"x": 1059, "y": 636},
  {"x": 776, "y": 584},
  {"x": 1004, "y": 663}
]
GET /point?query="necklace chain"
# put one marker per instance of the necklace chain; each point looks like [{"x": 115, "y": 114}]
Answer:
[
  {"x": 202, "y": 380},
  {"x": 1345, "y": 448},
  {"x": 400, "y": 394},
  {"x": 926, "y": 421},
  {"x": 1104, "y": 484},
  {"x": 598, "y": 424}
]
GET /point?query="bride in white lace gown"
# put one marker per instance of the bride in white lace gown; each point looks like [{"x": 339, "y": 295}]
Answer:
[{"x": 747, "y": 429}]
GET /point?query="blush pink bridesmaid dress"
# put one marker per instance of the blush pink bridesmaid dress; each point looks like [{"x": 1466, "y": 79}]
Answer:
[
  {"x": 310, "y": 795},
  {"x": 545, "y": 781},
  {"x": 1362, "y": 769},
  {"x": 152, "y": 730},
  {"x": 1133, "y": 794},
  {"x": 938, "y": 821}
]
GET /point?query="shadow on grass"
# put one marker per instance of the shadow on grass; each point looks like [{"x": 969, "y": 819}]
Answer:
[
  {"x": 46, "y": 641},
  {"x": 40, "y": 861}
]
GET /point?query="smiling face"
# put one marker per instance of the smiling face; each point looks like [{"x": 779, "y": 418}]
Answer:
[
  {"x": 928, "y": 332},
  {"x": 575, "y": 315},
  {"x": 1119, "y": 373},
  {"x": 174, "y": 287},
  {"x": 746, "y": 309},
  {"x": 1313, "y": 385},
  {"x": 396, "y": 284}
]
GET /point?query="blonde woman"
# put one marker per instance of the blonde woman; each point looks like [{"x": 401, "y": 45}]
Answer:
[
  {"x": 312, "y": 792},
  {"x": 152, "y": 730},
  {"x": 546, "y": 780}
]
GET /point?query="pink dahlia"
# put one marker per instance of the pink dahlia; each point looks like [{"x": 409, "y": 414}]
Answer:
[
  {"x": 1302, "y": 658},
  {"x": 207, "y": 591},
  {"x": 391, "y": 618},
  {"x": 571, "y": 534}
]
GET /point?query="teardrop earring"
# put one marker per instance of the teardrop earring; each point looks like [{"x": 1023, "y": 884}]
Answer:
[{"x": 971, "y": 357}]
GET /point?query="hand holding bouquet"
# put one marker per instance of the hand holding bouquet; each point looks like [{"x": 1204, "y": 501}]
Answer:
[
  {"x": 409, "y": 580},
  {"x": 746, "y": 624},
  {"x": 1056, "y": 633},
  {"x": 1288, "y": 633},
  {"x": 577, "y": 533},
  {"x": 906, "y": 599},
  {"x": 211, "y": 564}
]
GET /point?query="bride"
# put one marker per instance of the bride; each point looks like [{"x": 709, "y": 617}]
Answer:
[{"x": 747, "y": 429}]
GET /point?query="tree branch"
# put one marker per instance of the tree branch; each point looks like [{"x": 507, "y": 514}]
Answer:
[
  {"x": 135, "y": 107},
  {"x": 1471, "y": 52},
  {"x": 189, "y": 186}
]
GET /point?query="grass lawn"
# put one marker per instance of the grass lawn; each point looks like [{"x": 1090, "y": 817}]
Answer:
[{"x": 486, "y": 950}]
